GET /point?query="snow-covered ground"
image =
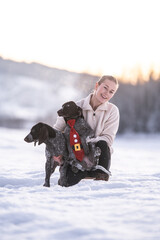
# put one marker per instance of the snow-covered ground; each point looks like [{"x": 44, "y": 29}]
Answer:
[{"x": 125, "y": 208}]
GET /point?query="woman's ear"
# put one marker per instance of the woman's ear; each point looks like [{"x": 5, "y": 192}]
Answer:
[{"x": 96, "y": 86}]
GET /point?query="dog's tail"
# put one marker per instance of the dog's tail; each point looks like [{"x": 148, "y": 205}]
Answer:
[{"x": 102, "y": 169}]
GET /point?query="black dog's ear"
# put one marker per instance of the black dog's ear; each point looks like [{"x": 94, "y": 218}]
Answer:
[
  {"x": 43, "y": 134},
  {"x": 80, "y": 112}
]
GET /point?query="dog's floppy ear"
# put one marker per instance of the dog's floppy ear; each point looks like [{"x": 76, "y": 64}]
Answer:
[
  {"x": 43, "y": 134},
  {"x": 80, "y": 112}
]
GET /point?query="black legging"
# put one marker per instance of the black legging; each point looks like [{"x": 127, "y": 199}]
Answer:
[
  {"x": 105, "y": 157},
  {"x": 104, "y": 160}
]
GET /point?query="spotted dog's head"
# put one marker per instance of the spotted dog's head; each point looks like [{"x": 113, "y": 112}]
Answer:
[
  {"x": 70, "y": 110},
  {"x": 39, "y": 133}
]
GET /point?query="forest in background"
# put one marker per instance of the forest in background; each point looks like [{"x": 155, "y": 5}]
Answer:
[{"x": 139, "y": 103}]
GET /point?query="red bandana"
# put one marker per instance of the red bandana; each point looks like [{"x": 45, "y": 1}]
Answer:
[{"x": 75, "y": 141}]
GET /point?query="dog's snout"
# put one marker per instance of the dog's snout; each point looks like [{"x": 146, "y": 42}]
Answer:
[
  {"x": 25, "y": 139},
  {"x": 60, "y": 113},
  {"x": 28, "y": 138}
]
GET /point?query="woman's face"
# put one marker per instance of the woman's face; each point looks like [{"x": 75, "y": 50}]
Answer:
[{"x": 105, "y": 91}]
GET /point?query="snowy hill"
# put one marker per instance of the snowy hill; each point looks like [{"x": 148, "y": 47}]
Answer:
[
  {"x": 33, "y": 92},
  {"x": 29, "y": 99},
  {"x": 125, "y": 208}
]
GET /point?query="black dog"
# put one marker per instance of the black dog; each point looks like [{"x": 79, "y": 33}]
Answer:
[
  {"x": 55, "y": 146},
  {"x": 70, "y": 111}
]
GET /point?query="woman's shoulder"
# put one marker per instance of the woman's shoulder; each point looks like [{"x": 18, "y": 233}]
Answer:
[
  {"x": 108, "y": 106},
  {"x": 80, "y": 102},
  {"x": 113, "y": 108},
  {"x": 84, "y": 102},
  {"x": 112, "y": 105}
]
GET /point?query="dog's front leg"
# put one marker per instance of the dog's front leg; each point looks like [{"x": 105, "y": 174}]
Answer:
[
  {"x": 47, "y": 171},
  {"x": 95, "y": 152},
  {"x": 54, "y": 164},
  {"x": 85, "y": 146},
  {"x": 63, "y": 173}
]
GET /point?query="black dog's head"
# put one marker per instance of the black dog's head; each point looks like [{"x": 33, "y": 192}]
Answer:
[
  {"x": 39, "y": 133},
  {"x": 70, "y": 110}
]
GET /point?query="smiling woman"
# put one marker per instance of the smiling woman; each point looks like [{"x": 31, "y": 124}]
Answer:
[
  {"x": 103, "y": 117},
  {"x": 105, "y": 89}
]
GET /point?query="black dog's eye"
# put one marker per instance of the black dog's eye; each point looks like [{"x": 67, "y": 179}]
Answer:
[{"x": 66, "y": 106}]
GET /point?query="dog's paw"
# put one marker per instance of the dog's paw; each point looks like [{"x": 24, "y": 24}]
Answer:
[
  {"x": 46, "y": 185},
  {"x": 97, "y": 152},
  {"x": 88, "y": 138},
  {"x": 62, "y": 182}
]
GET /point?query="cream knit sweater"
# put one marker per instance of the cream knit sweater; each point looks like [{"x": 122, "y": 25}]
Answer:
[{"x": 104, "y": 120}]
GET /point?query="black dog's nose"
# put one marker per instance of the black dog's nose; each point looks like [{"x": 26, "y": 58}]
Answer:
[
  {"x": 25, "y": 139},
  {"x": 60, "y": 113},
  {"x": 28, "y": 138}
]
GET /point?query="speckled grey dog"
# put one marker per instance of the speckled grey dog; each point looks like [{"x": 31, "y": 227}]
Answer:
[
  {"x": 70, "y": 111},
  {"x": 55, "y": 146}
]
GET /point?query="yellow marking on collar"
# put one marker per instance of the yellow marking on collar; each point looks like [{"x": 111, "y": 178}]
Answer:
[{"x": 77, "y": 147}]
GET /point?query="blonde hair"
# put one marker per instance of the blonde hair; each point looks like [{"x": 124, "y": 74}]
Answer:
[{"x": 108, "y": 77}]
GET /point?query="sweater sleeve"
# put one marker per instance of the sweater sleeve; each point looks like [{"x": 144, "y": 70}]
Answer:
[
  {"x": 60, "y": 124},
  {"x": 110, "y": 128}
]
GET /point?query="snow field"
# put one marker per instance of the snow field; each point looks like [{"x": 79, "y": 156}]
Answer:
[{"x": 125, "y": 208}]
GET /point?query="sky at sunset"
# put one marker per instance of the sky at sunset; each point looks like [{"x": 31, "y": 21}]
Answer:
[{"x": 116, "y": 37}]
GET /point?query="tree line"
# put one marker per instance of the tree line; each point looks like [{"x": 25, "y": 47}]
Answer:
[{"x": 139, "y": 106}]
